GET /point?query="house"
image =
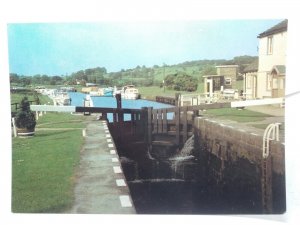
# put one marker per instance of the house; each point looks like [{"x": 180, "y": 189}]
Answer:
[
  {"x": 269, "y": 79},
  {"x": 225, "y": 79},
  {"x": 250, "y": 80}
]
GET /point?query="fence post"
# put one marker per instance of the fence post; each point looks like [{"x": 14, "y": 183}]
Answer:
[
  {"x": 14, "y": 127},
  {"x": 149, "y": 127},
  {"x": 184, "y": 124},
  {"x": 177, "y": 124},
  {"x": 143, "y": 123}
]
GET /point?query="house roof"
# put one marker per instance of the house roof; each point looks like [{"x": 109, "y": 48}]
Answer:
[
  {"x": 253, "y": 67},
  {"x": 212, "y": 75},
  {"x": 280, "y": 69},
  {"x": 278, "y": 28}
]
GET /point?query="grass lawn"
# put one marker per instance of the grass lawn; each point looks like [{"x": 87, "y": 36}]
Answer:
[
  {"x": 60, "y": 120},
  {"x": 43, "y": 166},
  {"x": 153, "y": 91},
  {"x": 17, "y": 97},
  {"x": 237, "y": 115}
]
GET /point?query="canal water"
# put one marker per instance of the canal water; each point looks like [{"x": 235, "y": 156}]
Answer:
[{"x": 110, "y": 102}]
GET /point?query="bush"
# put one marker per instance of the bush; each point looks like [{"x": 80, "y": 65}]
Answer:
[
  {"x": 25, "y": 117},
  {"x": 181, "y": 82}
]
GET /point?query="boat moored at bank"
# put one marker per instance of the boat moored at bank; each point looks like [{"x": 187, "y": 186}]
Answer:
[{"x": 130, "y": 92}]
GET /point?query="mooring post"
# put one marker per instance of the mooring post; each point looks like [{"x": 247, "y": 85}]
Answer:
[{"x": 119, "y": 107}]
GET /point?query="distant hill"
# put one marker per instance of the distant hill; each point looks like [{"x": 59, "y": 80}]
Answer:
[
  {"x": 145, "y": 76},
  {"x": 140, "y": 75}
]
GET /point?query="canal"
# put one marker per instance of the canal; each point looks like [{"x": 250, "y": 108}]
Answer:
[{"x": 110, "y": 102}]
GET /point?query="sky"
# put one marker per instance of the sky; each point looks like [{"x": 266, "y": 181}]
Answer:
[{"x": 63, "y": 48}]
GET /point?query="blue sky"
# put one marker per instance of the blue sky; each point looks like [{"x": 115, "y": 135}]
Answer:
[{"x": 63, "y": 48}]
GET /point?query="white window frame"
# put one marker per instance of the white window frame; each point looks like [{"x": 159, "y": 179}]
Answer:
[
  {"x": 270, "y": 45},
  {"x": 227, "y": 81}
]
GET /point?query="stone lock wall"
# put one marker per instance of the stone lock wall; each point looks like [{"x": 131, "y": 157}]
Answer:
[
  {"x": 229, "y": 143},
  {"x": 233, "y": 162}
]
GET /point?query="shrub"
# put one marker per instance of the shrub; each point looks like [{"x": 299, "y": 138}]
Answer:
[
  {"x": 25, "y": 117},
  {"x": 181, "y": 82}
]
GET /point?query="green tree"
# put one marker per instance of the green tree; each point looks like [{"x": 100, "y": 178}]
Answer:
[
  {"x": 25, "y": 81},
  {"x": 14, "y": 78},
  {"x": 209, "y": 70},
  {"x": 181, "y": 82},
  {"x": 45, "y": 79}
]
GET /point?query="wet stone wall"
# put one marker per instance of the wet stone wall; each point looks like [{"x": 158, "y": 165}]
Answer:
[
  {"x": 219, "y": 173},
  {"x": 233, "y": 161}
]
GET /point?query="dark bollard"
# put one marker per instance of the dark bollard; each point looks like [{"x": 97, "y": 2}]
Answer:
[
  {"x": 119, "y": 101},
  {"x": 119, "y": 106}
]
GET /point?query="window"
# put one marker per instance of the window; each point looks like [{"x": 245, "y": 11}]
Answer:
[
  {"x": 270, "y": 45},
  {"x": 227, "y": 81}
]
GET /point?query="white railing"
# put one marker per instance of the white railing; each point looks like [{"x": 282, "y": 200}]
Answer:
[{"x": 271, "y": 133}]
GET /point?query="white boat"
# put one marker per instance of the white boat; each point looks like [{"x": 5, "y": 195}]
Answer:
[
  {"x": 62, "y": 99},
  {"x": 130, "y": 92},
  {"x": 106, "y": 92}
]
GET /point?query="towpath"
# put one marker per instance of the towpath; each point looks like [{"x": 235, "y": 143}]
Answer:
[
  {"x": 100, "y": 185},
  {"x": 277, "y": 115}
]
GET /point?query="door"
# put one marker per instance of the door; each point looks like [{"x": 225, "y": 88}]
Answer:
[{"x": 209, "y": 87}]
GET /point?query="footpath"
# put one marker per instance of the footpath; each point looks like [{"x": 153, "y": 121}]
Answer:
[
  {"x": 277, "y": 115},
  {"x": 100, "y": 187}
]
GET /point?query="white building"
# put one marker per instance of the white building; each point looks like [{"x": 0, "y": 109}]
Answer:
[{"x": 269, "y": 80}]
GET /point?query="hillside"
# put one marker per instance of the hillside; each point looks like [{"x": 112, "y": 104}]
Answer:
[
  {"x": 145, "y": 76},
  {"x": 140, "y": 76}
]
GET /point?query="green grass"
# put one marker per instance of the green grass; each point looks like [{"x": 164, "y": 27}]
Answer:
[
  {"x": 43, "y": 166},
  {"x": 151, "y": 92},
  {"x": 60, "y": 120},
  {"x": 264, "y": 126},
  {"x": 237, "y": 115},
  {"x": 17, "y": 97}
]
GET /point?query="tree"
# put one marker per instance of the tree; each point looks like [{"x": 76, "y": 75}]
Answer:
[
  {"x": 209, "y": 70},
  {"x": 181, "y": 82},
  {"x": 36, "y": 79},
  {"x": 45, "y": 79},
  {"x": 25, "y": 81},
  {"x": 14, "y": 78}
]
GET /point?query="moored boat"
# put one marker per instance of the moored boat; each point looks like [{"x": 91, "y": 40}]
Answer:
[
  {"x": 130, "y": 92},
  {"x": 62, "y": 99},
  {"x": 106, "y": 92}
]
